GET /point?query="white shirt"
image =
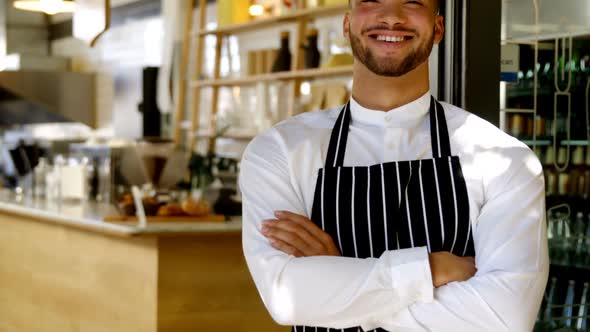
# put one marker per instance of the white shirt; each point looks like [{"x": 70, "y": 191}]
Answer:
[{"x": 506, "y": 199}]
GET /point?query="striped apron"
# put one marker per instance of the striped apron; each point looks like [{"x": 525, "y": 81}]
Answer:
[{"x": 395, "y": 205}]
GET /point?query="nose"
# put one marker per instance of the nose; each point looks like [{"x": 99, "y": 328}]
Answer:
[{"x": 391, "y": 13}]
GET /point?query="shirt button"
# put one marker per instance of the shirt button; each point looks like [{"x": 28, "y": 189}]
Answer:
[{"x": 388, "y": 118}]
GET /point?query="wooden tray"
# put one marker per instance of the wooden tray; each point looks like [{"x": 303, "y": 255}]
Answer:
[{"x": 209, "y": 218}]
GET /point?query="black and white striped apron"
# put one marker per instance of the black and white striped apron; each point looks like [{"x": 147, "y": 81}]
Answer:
[{"x": 395, "y": 205}]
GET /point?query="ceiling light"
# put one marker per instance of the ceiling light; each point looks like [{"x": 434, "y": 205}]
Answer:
[
  {"x": 49, "y": 7},
  {"x": 256, "y": 10}
]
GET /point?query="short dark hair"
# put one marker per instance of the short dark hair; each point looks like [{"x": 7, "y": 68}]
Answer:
[{"x": 436, "y": 2}]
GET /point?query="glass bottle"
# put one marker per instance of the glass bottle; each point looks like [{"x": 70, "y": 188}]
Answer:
[
  {"x": 551, "y": 236},
  {"x": 579, "y": 224},
  {"x": 578, "y": 236},
  {"x": 582, "y": 320},
  {"x": 566, "y": 241},
  {"x": 580, "y": 252},
  {"x": 40, "y": 172},
  {"x": 104, "y": 180},
  {"x": 283, "y": 60},
  {"x": 568, "y": 308},
  {"x": 312, "y": 53},
  {"x": 587, "y": 242},
  {"x": 53, "y": 184},
  {"x": 548, "y": 321},
  {"x": 560, "y": 234}
]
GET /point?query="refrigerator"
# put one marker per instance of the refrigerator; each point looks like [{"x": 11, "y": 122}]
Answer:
[{"x": 524, "y": 65}]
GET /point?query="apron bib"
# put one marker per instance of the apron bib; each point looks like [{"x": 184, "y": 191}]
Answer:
[{"x": 396, "y": 205}]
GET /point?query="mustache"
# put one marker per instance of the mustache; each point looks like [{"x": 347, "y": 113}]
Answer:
[{"x": 383, "y": 27}]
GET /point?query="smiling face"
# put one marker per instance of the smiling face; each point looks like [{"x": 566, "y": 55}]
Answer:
[{"x": 393, "y": 37}]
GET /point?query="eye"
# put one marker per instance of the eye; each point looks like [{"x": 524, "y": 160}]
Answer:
[
  {"x": 416, "y": 3},
  {"x": 364, "y": 1}
]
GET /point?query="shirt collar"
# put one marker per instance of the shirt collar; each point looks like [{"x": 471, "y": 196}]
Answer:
[{"x": 402, "y": 116}]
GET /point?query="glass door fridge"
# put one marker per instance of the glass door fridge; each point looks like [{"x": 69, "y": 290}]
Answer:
[{"x": 543, "y": 101}]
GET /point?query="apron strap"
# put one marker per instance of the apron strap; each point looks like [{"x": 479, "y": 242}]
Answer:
[
  {"x": 337, "y": 147},
  {"x": 439, "y": 133}
]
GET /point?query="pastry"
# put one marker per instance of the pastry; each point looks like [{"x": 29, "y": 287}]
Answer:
[
  {"x": 170, "y": 210},
  {"x": 196, "y": 208}
]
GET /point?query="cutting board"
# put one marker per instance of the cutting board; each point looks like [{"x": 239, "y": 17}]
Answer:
[{"x": 209, "y": 218}]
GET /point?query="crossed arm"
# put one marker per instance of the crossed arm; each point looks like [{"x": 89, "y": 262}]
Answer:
[
  {"x": 313, "y": 286},
  {"x": 298, "y": 236}
]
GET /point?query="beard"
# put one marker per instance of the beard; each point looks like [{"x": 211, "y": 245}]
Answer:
[{"x": 391, "y": 67}]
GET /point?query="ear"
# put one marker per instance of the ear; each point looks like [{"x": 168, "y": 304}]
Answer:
[
  {"x": 439, "y": 28},
  {"x": 346, "y": 25}
]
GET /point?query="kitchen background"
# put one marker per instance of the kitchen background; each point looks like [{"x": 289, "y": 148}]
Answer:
[{"x": 48, "y": 76}]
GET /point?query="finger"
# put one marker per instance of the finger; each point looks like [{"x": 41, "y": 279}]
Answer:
[
  {"x": 289, "y": 237},
  {"x": 302, "y": 220},
  {"x": 309, "y": 225},
  {"x": 294, "y": 227},
  {"x": 313, "y": 239},
  {"x": 285, "y": 247}
]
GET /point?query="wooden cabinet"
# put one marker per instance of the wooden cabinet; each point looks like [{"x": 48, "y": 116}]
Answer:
[{"x": 57, "y": 276}]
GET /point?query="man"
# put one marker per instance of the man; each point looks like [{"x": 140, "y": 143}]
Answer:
[{"x": 375, "y": 215}]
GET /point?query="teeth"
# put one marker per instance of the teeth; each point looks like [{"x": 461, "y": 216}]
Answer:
[{"x": 390, "y": 39}]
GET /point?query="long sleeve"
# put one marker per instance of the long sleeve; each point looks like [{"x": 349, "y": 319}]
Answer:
[
  {"x": 511, "y": 257},
  {"x": 334, "y": 292}
]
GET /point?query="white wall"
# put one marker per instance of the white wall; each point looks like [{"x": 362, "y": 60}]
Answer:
[{"x": 26, "y": 32}]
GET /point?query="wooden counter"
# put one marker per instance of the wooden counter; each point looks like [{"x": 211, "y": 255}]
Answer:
[{"x": 59, "y": 274}]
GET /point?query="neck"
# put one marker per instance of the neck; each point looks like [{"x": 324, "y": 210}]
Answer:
[{"x": 386, "y": 93}]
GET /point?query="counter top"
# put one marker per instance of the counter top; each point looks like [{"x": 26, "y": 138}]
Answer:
[{"x": 89, "y": 216}]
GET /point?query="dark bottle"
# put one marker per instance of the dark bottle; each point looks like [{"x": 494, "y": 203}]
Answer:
[
  {"x": 312, "y": 53},
  {"x": 283, "y": 60}
]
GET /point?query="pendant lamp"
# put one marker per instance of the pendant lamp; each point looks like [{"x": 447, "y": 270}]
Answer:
[{"x": 49, "y": 7}]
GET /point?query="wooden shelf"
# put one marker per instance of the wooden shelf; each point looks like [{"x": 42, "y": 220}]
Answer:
[
  {"x": 300, "y": 20},
  {"x": 286, "y": 75},
  {"x": 310, "y": 13}
]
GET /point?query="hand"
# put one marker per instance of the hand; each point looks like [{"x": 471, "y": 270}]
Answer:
[
  {"x": 446, "y": 268},
  {"x": 298, "y": 236}
]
